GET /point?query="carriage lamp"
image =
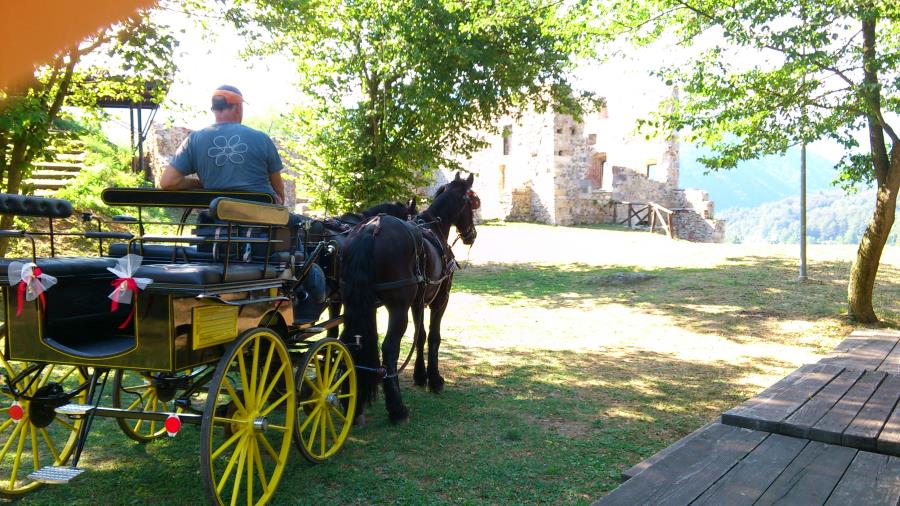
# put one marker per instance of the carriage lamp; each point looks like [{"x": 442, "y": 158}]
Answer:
[
  {"x": 173, "y": 425},
  {"x": 16, "y": 412}
]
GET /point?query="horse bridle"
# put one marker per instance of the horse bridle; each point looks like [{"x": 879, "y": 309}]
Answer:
[{"x": 474, "y": 203}]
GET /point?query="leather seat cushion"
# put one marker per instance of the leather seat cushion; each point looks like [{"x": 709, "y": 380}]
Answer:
[
  {"x": 202, "y": 274},
  {"x": 64, "y": 267},
  {"x": 164, "y": 252}
]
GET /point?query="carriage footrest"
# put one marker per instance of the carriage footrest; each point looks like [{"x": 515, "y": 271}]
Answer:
[
  {"x": 55, "y": 475},
  {"x": 75, "y": 409}
]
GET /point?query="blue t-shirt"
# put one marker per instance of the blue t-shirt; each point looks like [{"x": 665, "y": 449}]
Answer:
[{"x": 229, "y": 156}]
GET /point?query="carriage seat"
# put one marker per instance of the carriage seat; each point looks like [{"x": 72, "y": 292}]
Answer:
[
  {"x": 64, "y": 267},
  {"x": 204, "y": 274},
  {"x": 184, "y": 254}
]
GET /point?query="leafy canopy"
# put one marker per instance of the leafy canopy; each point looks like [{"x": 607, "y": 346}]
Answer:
[
  {"x": 769, "y": 75},
  {"x": 395, "y": 87}
]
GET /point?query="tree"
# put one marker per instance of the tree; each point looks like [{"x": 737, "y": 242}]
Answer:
[
  {"x": 395, "y": 87},
  {"x": 769, "y": 75},
  {"x": 116, "y": 63}
]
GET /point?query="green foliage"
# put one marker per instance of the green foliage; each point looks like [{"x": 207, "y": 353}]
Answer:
[
  {"x": 395, "y": 87},
  {"x": 770, "y": 75},
  {"x": 832, "y": 218}
]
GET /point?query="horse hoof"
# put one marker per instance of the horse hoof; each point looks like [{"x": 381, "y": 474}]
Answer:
[
  {"x": 398, "y": 417},
  {"x": 436, "y": 385},
  {"x": 420, "y": 381}
]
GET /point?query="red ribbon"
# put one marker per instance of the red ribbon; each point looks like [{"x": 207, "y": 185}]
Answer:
[
  {"x": 130, "y": 285},
  {"x": 23, "y": 286}
]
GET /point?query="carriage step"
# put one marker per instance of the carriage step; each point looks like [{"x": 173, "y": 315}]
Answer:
[
  {"x": 75, "y": 409},
  {"x": 55, "y": 475}
]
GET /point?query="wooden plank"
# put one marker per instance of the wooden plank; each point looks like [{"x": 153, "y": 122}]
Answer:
[
  {"x": 830, "y": 428},
  {"x": 684, "y": 474},
  {"x": 778, "y": 402},
  {"x": 799, "y": 423},
  {"x": 811, "y": 477},
  {"x": 864, "y": 349},
  {"x": 891, "y": 363},
  {"x": 863, "y": 432},
  {"x": 748, "y": 480},
  {"x": 889, "y": 439},
  {"x": 656, "y": 457},
  {"x": 871, "y": 479}
]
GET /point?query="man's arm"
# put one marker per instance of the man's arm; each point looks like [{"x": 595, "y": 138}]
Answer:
[
  {"x": 173, "y": 179},
  {"x": 278, "y": 186}
]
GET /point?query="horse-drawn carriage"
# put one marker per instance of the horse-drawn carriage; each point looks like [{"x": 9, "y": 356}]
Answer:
[
  {"x": 213, "y": 328},
  {"x": 163, "y": 330}
]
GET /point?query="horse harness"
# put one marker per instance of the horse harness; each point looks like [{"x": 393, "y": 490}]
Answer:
[{"x": 418, "y": 233}]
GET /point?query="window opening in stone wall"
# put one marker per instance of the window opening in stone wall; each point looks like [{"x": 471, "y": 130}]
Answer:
[
  {"x": 507, "y": 139},
  {"x": 596, "y": 169},
  {"x": 651, "y": 170}
]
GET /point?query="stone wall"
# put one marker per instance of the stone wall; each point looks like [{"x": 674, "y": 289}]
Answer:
[
  {"x": 691, "y": 226},
  {"x": 631, "y": 186}
]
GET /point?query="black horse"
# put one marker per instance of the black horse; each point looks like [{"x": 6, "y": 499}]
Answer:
[{"x": 403, "y": 265}]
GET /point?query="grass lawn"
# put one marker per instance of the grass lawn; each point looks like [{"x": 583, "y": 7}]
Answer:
[{"x": 570, "y": 354}]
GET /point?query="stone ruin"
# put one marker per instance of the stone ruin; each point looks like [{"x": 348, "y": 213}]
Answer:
[{"x": 548, "y": 168}]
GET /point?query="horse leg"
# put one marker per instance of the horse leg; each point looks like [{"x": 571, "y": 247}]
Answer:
[
  {"x": 420, "y": 377},
  {"x": 437, "y": 308},
  {"x": 390, "y": 352}
]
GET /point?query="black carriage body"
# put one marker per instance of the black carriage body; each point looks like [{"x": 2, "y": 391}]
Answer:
[{"x": 172, "y": 328}]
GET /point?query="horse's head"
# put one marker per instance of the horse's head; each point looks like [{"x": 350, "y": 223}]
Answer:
[{"x": 461, "y": 203}]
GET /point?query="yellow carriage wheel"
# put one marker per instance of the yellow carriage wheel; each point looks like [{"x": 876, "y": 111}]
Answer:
[
  {"x": 326, "y": 384},
  {"x": 248, "y": 420},
  {"x": 141, "y": 392},
  {"x": 41, "y": 437}
]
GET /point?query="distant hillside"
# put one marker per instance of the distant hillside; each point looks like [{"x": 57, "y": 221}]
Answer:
[
  {"x": 832, "y": 217},
  {"x": 756, "y": 181}
]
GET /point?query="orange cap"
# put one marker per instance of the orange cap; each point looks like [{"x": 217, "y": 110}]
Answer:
[{"x": 229, "y": 96}]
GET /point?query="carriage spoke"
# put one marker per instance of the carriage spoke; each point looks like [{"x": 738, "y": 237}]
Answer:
[
  {"x": 312, "y": 385},
  {"x": 45, "y": 377},
  {"x": 66, "y": 424},
  {"x": 238, "y": 475},
  {"x": 268, "y": 446},
  {"x": 226, "y": 421},
  {"x": 275, "y": 404},
  {"x": 318, "y": 373},
  {"x": 322, "y": 423},
  {"x": 231, "y": 462},
  {"x": 254, "y": 368},
  {"x": 304, "y": 403},
  {"x": 265, "y": 374},
  {"x": 309, "y": 418},
  {"x": 279, "y": 428},
  {"x": 314, "y": 432},
  {"x": 230, "y": 441},
  {"x": 153, "y": 422},
  {"x": 334, "y": 435},
  {"x": 250, "y": 474},
  {"x": 340, "y": 381},
  {"x": 35, "y": 454},
  {"x": 51, "y": 446},
  {"x": 12, "y": 437},
  {"x": 18, "y": 458},
  {"x": 66, "y": 375},
  {"x": 257, "y": 459},
  {"x": 271, "y": 386},
  {"x": 335, "y": 366},
  {"x": 338, "y": 413},
  {"x": 134, "y": 404},
  {"x": 6, "y": 424},
  {"x": 248, "y": 396},
  {"x": 135, "y": 389},
  {"x": 234, "y": 396}
]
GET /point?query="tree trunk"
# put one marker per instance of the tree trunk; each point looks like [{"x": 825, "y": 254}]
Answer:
[
  {"x": 15, "y": 171},
  {"x": 868, "y": 256}
]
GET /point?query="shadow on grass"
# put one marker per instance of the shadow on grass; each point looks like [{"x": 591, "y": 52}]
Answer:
[
  {"x": 512, "y": 427},
  {"x": 731, "y": 299}
]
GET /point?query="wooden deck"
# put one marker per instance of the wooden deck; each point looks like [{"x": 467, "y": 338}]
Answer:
[{"x": 828, "y": 433}]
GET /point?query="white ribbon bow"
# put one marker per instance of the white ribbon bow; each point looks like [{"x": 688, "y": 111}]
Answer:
[
  {"x": 125, "y": 269},
  {"x": 34, "y": 285}
]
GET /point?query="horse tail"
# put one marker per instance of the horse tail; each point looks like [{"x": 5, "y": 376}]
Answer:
[{"x": 359, "y": 297}]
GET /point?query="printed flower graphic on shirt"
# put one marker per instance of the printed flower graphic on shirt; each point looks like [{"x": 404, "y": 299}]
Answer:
[{"x": 227, "y": 150}]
